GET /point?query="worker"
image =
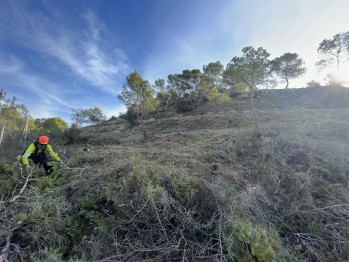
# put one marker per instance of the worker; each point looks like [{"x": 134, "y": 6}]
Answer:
[{"x": 37, "y": 153}]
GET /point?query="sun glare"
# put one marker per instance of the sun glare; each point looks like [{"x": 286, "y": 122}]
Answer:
[{"x": 342, "y": 75}]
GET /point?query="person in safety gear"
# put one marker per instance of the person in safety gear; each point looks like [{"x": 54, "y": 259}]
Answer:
[{"x": 37, "y": 153}]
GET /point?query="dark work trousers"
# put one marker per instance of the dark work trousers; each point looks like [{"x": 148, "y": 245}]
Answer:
[{"x": 41, "y": 159}]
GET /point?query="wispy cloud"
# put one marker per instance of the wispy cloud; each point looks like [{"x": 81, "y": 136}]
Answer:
[
  {"x": 80, "y": 60},
  {"x": 82, "y": 52},
  {"x": 43, "y": 97},
  {"x": 10, "y": 64},
  {"x": 94, "y": 24},
  {"x": 34, "y": 84}
]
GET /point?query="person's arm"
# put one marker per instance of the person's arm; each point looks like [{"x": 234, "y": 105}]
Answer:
[
  {"x": 52, "y": 153},
  {"x": 27, "y": 154}
]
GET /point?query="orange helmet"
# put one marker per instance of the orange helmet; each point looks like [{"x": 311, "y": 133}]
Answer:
[{"x": 43, "y": 140}]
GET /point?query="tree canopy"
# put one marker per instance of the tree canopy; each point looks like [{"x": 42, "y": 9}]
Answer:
[
  {"x": 188, "y": 82},
  {"x": 252, "y": 69},
  {"x": 91, "y": 115},
  {"x": 15, "y": 114},
  {"x": 333, "y": 51},
  {"x": 288, "y": 66},
  {"x": 214, "y": 71},
  {"x": 54, "y": 123},
  {"x": 95, "y": 115},
  {"x": 138, "y": 94}
]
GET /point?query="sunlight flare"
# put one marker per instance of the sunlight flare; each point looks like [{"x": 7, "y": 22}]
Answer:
[{"x": 342, "y": 75}]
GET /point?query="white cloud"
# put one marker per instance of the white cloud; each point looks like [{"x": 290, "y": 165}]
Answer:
[
  {"x": 94, "y": 25},
  {"x": 44, "y": 98},
  {"x": 215, "y": 31},
  {"x": 43, "y": 91},
  {"x": 9, "y": 64},
  {"x": 83, "y": 52}
]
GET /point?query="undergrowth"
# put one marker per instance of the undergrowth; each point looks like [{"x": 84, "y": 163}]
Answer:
[
  {"x": 296, "y": 188},
  {"x": 213, "y": 195}
]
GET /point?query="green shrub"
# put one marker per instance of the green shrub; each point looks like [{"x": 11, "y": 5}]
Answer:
[
  {"x": 72, "y": 135},
  {"x": 132, "y": 116},
  {"x": 156, "y": 194},
  {"x": 245, "y": 241},
  {"x": 46, "y": 255},
  {"x": 80, "y": 161},
  {"x": 183, "y": 187},
  {"x": 9, "y": 176},
  {"x": 293, "y": 186},
  {"x": 98, "y": 141},
  {"x": 183, "y": 105},
  {"x": 169, "y": 114}
]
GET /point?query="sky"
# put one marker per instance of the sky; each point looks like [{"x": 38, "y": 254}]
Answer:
[{"x": 58, "y": 55}]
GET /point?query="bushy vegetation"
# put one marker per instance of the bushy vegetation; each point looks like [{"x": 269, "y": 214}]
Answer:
[
  {"x": 227, "y": 194},
  {"x": 298, "y": 189}
]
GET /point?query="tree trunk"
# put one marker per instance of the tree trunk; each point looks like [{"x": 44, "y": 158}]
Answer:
[
  {"x": 286, "y": 83},
  {"x": 25, "y": 132},
  {"x": 145, "y": 134},
  {"x": 337, "y": 56},
  {"x": 254, "y": 109},
  {"x": 2, "y": 133}
]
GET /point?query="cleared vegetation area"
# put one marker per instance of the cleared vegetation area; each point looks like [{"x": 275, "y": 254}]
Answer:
[{"x": 203, "y": 187}]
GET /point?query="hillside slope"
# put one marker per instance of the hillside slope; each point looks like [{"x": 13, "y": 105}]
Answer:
[{"x": 204, "y": 187}]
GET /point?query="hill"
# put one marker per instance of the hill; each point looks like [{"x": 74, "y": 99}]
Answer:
[{"x": 203, "y": 187}]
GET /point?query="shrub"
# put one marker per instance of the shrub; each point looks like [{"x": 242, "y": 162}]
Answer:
[
  {"x": 72, "y": 135},
  {"x": 293, "y": 189},
  {"x": 245, "y": 241},
  {"x": 132, "y": 116},
  {"x": 98, "y": 141},
  {"x": 80, "y": 161},
  {"x": 9, "y": 176},
  {"x": 183, "y": 105},
  {"x": 169, "y": 114}
]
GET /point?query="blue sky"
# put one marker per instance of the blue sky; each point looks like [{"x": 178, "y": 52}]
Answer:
[{"x": 57, "y": 55}]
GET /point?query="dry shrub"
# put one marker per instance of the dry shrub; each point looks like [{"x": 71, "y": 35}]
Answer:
[
  {"x": 300, "y": 189},
  {"x": 264, "y": 198},
  {"x": 147, "y": 213}
]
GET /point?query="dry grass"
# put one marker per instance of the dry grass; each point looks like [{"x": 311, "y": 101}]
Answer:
[{"x": 178, "y": 195}]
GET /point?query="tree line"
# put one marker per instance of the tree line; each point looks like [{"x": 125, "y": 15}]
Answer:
[
  {"x": 17, "y": 127},
  {"x": 181, "y": 92},
  {"x": 250, "y": 72}
]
